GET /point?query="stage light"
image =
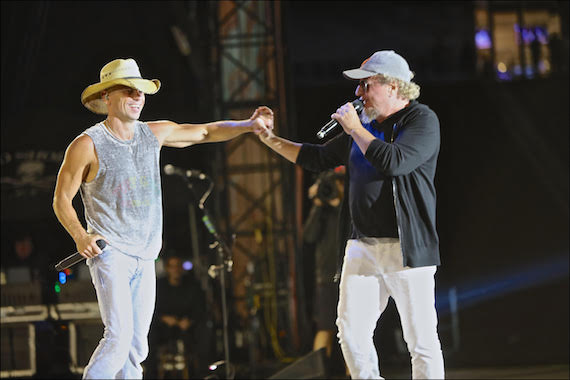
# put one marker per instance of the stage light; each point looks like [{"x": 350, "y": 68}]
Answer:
[
  {"x": 502, "y": 67},
  {"x": 495, "y": 285},
  {"x": 483, "y": 39}
]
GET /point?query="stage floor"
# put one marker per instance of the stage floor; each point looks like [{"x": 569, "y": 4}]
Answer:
[
  {"x": 531, "y": 372},
  {"x": 512, "y": 372}
]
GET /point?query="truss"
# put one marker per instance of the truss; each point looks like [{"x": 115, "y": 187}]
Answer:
[{"x": 257, "y": 184}]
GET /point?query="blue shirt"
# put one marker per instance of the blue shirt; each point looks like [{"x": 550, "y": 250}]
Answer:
[{"x": 371, "y": 200}]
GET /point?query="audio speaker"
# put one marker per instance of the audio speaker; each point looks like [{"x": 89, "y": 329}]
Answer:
[
  {"x": 310, "y": 366},
  {"x": 18, "y": 350},
  {"x": 84, "y": 335},
  {"x": 16, "y": 294}
]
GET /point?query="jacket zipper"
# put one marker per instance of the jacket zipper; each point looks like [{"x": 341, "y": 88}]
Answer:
[{"x": 400, "y": 237}]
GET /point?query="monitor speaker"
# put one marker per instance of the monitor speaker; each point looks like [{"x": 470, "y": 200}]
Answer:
[
  {"x": 18, "y": 350},
  {"x": 84, "y": 335}
]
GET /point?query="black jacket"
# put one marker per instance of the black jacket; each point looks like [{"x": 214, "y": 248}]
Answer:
[{"x": 410, "y": 159}]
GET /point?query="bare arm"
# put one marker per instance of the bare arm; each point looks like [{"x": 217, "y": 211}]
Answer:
[
  {"x": 79, "y": 158},
  {"x": 288, "y": 149},
  {"x": 182, "y": 135}
]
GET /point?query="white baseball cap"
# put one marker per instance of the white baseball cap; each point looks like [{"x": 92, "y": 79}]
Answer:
[{"x": 385, "y": 62}]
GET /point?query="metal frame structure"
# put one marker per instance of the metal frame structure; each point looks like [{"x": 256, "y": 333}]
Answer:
[{"x": 255, "y": 182}]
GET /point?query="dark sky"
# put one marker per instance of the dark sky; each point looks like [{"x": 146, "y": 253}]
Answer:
[
  {"x": 340, "y": 31},
  {"x": 68, "y": 42}
]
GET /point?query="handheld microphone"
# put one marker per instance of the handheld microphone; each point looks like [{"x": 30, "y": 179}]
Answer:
[
  {"x": 187, "y": 173},
  {"x": 358, "y": 106},
  {"x": 76, "y": 257}
]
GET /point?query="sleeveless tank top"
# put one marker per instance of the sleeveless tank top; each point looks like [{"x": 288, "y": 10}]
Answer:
[{"x": 123, "y": 203}]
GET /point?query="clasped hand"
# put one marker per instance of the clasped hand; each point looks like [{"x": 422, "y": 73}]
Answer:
[{"x": 262, "y": 120}]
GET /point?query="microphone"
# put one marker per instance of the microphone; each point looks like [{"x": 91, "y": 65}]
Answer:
[
  {"x": 187, "y": 173},
  {"x": 76, "y": 257},
  {"x": 358, "y": 106}
]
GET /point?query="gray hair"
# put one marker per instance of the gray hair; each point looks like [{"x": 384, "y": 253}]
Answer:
[{"x": 406, "y": 90}]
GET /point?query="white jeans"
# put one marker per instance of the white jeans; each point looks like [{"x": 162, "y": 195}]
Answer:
[
  {"x": 126, "y": 289},
  {"x": 372, "y": 272}
]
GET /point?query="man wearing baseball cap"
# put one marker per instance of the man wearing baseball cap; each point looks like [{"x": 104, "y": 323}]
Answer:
[
  {"x": 115, "y": 165},
  {"x": 390, "y": 245}
]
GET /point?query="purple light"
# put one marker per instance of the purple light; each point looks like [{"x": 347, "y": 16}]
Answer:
[
  {"x": 528, "y": 36},
  {"x": 482, "y": 39},
  {"x": 517, "y": 70},
  {"x": 541, "y": 34},
  {"x": 187, "y": 265}
]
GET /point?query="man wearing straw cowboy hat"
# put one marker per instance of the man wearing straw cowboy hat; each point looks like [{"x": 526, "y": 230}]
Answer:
[{"x": 115, "y": 165}]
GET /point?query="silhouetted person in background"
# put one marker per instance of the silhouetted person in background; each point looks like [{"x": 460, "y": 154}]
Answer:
[
  {"x": 556, "y": 53},
  {"x": 24, "y": 264},
  {"x": 321, "y": 228},
  {"x": 179, "y": 315},
  {"x": 536, "y": 53},
  {"x": 21, "y": 263}
]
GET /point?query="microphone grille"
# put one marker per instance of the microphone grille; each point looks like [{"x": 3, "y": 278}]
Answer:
[{"x": 358, "y": 105}]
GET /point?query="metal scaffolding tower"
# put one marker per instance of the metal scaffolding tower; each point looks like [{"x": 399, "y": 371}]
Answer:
[{"x": 257, "y": 184}]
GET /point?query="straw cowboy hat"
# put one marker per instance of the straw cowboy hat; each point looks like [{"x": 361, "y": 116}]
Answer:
[{"x": 119, "y": 71}]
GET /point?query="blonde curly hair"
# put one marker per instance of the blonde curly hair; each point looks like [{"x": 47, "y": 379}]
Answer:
[{"x": 406, "y": 90}]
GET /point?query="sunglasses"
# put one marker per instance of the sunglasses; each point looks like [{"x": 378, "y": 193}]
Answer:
[{"x": 364, "y": 85}]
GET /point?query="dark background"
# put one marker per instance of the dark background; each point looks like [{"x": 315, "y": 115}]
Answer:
[{"x": 502, "y": 178}]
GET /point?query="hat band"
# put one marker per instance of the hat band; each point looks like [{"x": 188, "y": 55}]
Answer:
[{"x": 108, "y": 80}]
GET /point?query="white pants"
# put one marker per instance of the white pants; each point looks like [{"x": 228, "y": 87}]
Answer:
[
  {"x": 372, "y": 272},
  {"x": 126, "y": 288}
]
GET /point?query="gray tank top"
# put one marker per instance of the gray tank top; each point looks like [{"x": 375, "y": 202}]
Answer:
[{"x": 123, "y": 203}]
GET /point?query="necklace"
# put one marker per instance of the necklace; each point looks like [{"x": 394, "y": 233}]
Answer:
[
  {"x": 105, "y": 123},
  {"x": 128, "y": 143}
]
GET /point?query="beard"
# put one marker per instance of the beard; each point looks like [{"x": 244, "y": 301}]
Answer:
[{"x": 369, "y": 114}]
